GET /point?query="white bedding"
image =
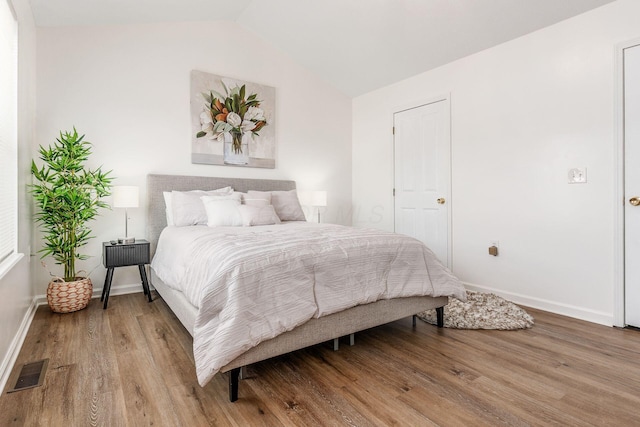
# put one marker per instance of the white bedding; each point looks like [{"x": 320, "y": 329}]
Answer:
[{"x": 251, "y": 284}]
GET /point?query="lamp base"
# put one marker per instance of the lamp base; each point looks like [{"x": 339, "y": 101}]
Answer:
[{"x": 126, "y": 240}]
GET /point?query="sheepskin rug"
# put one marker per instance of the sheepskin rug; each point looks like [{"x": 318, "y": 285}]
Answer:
[{"x": 481, "y": 311}]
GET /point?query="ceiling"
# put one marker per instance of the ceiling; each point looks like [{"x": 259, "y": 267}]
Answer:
[{"x": 356, "y": 45}]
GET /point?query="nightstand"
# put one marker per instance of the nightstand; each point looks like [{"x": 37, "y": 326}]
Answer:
[{"x": 122, "y": 255}]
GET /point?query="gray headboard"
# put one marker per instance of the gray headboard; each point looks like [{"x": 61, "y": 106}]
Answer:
[{"x": 156, "y": 184}]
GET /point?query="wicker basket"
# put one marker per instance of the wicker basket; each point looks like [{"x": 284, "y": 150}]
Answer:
[{"x": 65, "y": 297}]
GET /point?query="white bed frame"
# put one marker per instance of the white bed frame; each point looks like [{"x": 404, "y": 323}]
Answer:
[{"x": 314, "y": 331}]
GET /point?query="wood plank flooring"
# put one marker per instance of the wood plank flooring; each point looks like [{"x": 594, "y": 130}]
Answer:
[{"x": 132, "y": 365}]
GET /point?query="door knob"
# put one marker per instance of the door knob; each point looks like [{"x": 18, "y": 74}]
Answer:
[
  {"x": 635, "y": 201},
  {"x": 441, "y": 201}
]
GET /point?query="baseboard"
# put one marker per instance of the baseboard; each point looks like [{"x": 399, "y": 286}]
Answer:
[
  {"x": 546, "y": 305},
  {"x": 120, "y": 290},
  {"x": 16, "y": 344},
  {"x": 97, "y": 292}
]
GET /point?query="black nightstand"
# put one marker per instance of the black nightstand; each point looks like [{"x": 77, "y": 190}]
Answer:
[{"x": 122, "y": 255}]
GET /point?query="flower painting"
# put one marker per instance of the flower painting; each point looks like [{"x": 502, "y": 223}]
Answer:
[{"x": 232, "y": 122}]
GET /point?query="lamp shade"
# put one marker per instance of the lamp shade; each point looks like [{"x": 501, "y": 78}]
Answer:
[
  {"x": 125, "y": 196},
  {"x": 318, "y": 198},
  {"x": 312, "y": 197}
]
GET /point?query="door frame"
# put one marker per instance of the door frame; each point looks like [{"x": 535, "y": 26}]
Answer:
[
  {"x": 445, "y": 97},
  {"x": 619, "y": 193}
]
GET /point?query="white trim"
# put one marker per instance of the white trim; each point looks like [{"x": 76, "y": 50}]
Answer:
[
  {"x": 581, "y": 313},
  {"x": 449, "y": 196},
  {"x": 619, "y": 196},
  {"x": 419, "y": 103},
  {"x": 9, "y": 263},
  {"x": 97, "y": 292},
  {"x": 446, "y": 97},
  {"x": 9, "y": 141},
  {"x": 131, "y": 288},
  {"x": 6, "y": 367}
]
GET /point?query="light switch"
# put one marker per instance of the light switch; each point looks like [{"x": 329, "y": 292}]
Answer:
[{"x": 577, "y": 175}]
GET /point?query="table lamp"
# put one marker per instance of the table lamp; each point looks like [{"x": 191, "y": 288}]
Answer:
[
  {"x": 125, "y": 196},
  {"x": 319, "y": 200}
]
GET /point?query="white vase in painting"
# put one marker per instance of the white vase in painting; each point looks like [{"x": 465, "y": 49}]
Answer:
[{"x": 232, "y": 155}]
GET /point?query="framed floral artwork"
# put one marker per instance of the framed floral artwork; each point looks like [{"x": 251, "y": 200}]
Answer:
[{"x": 232, "y": 122}]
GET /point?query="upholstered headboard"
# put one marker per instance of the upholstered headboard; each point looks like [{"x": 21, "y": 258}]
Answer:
[{"x": 156, "y": 184}]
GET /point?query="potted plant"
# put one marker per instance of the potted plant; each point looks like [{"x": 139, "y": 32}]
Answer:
[{"x": 67, "y": 196}]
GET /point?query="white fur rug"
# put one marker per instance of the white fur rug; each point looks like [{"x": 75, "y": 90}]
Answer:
[{"x": 481, "y": 311}]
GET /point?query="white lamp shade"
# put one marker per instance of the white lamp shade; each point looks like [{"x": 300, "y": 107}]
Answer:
[
  {"x": 125, "y": 196},
  {"x": 318, "y": 198},
  {"x": 312, "y": 198}
]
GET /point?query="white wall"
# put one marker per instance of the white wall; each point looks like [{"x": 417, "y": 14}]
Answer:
[
  {"x": 127, "y": 89},
  {"x": 523, "y": 113},
  {"x": 16, "y": 294}
]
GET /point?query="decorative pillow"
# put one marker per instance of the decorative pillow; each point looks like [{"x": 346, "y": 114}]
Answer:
[
  {"x": 258, "y": 215},
  {"x": 287, "y": 205},
  {"x": 258, "y": 198},
  {"x": 222, "y": 210},
  {"x": 187, "y": 208}
]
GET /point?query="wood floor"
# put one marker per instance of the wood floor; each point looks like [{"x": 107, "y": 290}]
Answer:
[{"x": 132, "y": 365}]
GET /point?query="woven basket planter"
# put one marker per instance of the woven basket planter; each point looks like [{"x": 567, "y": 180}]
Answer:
[{"x": 65, "y": 297}]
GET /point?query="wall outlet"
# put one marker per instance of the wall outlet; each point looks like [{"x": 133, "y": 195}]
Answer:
[{"x": 577, "y": 176}]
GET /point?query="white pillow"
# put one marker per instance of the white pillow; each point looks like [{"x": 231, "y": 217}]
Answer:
[
  {"x": 258, "y": 198},
  {"x": 287, "y": 205},
  {"x": 168, "y": 209},
  {"x": 258, "y": 215},
  {"x": 187, "y": 208},
  {"x": 242, "y": 195},
  {"x": 222, "y": 211}
]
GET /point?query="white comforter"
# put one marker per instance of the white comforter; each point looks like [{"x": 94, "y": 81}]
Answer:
[{"x": 251, "y": 284}]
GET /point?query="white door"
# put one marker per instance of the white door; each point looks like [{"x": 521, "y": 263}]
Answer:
[
  {"x": 422, "y": 168},
  {"x": 632, "y": 184}
]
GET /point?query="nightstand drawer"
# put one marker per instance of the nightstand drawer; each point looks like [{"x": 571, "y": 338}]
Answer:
[{"x": 123, "y": 255}]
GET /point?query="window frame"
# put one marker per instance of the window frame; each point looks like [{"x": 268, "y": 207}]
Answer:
[{"x": 9, "y": 256}]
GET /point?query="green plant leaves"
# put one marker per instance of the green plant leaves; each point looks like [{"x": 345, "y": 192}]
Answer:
[{"x": 67, "y": 195}]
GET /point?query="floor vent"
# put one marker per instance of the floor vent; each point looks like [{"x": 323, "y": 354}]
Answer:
[{"x": 31, "y": 375}]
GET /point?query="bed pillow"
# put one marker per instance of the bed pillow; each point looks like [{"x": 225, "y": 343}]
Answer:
[
  {"x": 187, "y": 208},
  {"x": 168, "y": 208},
  {"x": 258, "y": 215},
  {"x": 287, "y": 205},
  {"x": 258, "y": 198},
  {"x": 222, "y": 211},
  {"x": 242, "y": 196}
]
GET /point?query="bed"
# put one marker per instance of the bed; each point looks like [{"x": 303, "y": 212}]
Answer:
[{"x": 336, "y": 323}]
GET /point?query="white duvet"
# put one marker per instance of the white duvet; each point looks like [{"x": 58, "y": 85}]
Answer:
[{"x": 251, "y": 284}]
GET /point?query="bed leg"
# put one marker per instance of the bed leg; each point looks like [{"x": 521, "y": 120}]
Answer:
[
  {"x": 440, "y": 315},
  {"x": 413, "y": 320},
  {"x": 352, "y": 339},
  {"x": 336, "y": 344},
  {"x": 243, "y": 372},
  {"x": 234, "y": 379}
]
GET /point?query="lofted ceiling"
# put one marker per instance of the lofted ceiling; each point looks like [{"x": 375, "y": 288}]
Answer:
[{"x": 356, "y": 45}]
